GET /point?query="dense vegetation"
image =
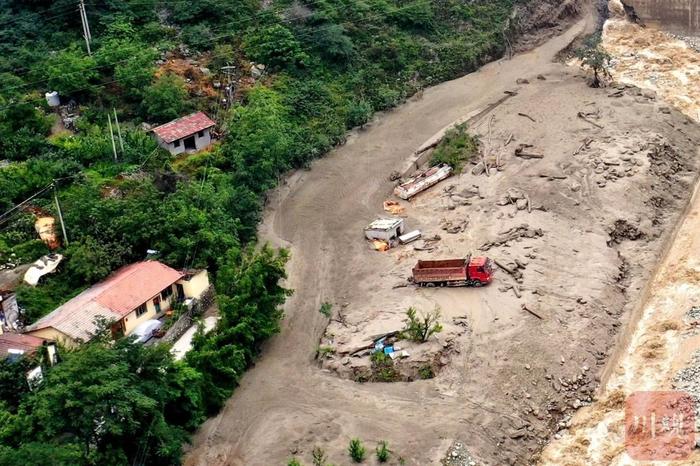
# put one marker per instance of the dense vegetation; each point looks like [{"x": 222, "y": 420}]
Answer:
[{"x": 329, "y": 65}]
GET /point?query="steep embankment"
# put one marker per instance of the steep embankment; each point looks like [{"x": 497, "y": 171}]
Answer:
[{"x": 661, "y": 338}]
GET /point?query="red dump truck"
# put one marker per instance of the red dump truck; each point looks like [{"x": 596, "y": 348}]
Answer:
[{"x": 472, "y": 271}]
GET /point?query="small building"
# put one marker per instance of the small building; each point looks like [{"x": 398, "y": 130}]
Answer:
[
  {"x": 131, "y": 295},
  {"x": 17, "y": 345},
  {"x": 385, "y": 229},
  {"x": 189, "y": 133}
]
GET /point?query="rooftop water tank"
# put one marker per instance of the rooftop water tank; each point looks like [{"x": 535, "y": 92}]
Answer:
[{"x": 52, "y": 99}]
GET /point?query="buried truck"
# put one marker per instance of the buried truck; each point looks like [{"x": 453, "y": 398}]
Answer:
[{"x": 472, "y": 271}]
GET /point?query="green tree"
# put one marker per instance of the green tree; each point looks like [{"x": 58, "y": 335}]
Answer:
[
  {"x": 250, "y": 296},
  {"x": 134, "y": 72},
  {"x": 594, "y": 57},
  {"x": 274, "y": 46},
  {"x": 71, "y": 71},
  {"x": 41, "y": 453},
  {"x": 260, "y": 140},
  {"x": 110, "y": 400},
  {"x": 90, "y": 260},
  {"x": 420, "y": 328},
  {"x": 318, "y": 456},
  {"x": 333, "y": 43},
  {"x": 165, "y": 99}
]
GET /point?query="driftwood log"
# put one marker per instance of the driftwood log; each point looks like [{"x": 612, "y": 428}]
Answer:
[{"x": 523, "y": 152}]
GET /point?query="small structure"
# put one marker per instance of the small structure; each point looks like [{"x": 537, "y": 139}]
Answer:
[
  {"x": 189, "y": 133},
  {"x": 9, "y": 312},
  {"x": 14, "y": 346},
  {"x": 131, "y": 295},
  {"x": 385, "y": 229},
  {"x": 410, "y": 237},
  {"x": 422, "y": 181}
]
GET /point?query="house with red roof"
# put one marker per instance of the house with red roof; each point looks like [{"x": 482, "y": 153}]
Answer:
[
  {"x": 188, "y": 133},
  {"x": 131, "y": 295}
]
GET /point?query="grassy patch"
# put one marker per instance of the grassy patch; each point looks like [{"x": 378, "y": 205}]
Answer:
[{"x": 456, "y": 149}]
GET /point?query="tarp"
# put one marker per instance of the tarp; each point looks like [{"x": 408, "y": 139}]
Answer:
[{"x": 43, "y": 266}]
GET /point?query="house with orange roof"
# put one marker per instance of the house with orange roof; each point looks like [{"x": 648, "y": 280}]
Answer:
[{"x": 131, "y": 295}]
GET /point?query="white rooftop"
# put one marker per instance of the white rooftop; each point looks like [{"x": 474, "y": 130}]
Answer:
[{"x": 385, "y": 224}]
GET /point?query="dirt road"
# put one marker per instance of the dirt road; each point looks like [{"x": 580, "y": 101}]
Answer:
[{"x": 497, "y": 394}]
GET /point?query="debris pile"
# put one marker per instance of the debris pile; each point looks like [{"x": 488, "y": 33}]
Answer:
[
  {"x": 458, "y": 455},
  {"x": 622, "y": 230},
  {"x": 513, "y": 234},
  {"x": 517, "y": 197},
  {"x": 454, "y": 227},
  {"x": 688, "y": 380}
]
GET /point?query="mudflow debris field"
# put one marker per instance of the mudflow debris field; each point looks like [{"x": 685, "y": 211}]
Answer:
[
  {"x": 660, "y": 348},
  {"x": 578, "y": 224}
]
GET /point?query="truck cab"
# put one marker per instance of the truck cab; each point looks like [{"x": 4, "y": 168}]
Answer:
[{"x": 480, "y": 270}]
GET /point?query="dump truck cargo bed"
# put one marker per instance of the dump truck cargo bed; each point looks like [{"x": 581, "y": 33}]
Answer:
[{"x": 474, "y": 271}]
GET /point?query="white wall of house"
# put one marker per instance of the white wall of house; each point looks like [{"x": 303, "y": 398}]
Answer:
[{"x": 201, "y": 140}]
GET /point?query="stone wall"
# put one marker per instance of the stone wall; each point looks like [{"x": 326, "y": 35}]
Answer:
[
  {"x": 187, "y": 319},
  {"x": 677, "y": 16}
]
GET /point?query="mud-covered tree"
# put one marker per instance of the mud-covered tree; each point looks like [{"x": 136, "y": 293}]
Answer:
[
  {"x": 595, "y": 58},
  {"x": 421, "y": 327}
]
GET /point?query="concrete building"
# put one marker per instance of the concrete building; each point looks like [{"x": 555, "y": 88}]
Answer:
[
  {"x": 131, "y": 295},
  {"x": 385, "y": 229},
  {"x": 189, "y": 133}
]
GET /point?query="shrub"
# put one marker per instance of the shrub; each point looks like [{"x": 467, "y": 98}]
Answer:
[
  {"x": 274, "y": 46},
  {"x": 426, "y": 372},
  {"x": 326, "y": 309},
  {"x": 165, "y": 99},
  {"x": 324, "y": 351},
  {"x": 456, "y": 148},
  {"x": 359, "y": 113},
  {"x": 318, "y": 456},
  {"x": 420, "y": 328},
  {"x": 294, "y": 462},
  {"x": 356, "y": 450},
  {"x": 382, "y": 452},
  {"x": 383, "y": 369}
]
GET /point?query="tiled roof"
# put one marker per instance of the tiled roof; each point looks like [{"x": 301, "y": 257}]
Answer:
[
  {"x": 113, "y": 298},
  {"x": 183, "y": 127},
  {"x": 16, "y": 341}
]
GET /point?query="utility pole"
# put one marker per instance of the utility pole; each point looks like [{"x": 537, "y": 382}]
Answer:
[
  {"x": 111, "y": 133},
  {"x": 119, "y": 131},
  {"x": 228, "y": 70},
  {"x": 60, "y": 215},
  {"x": 86, "y": 26}
]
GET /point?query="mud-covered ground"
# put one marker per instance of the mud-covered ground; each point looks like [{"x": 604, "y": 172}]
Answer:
[
  {"x": 602, "y": 200},
  {"x": 605, "y": 196}
]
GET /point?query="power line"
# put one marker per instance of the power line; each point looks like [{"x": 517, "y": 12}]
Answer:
[
  {"x": 300, "y": 35},
  {"x": 238, "y": 22}
]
